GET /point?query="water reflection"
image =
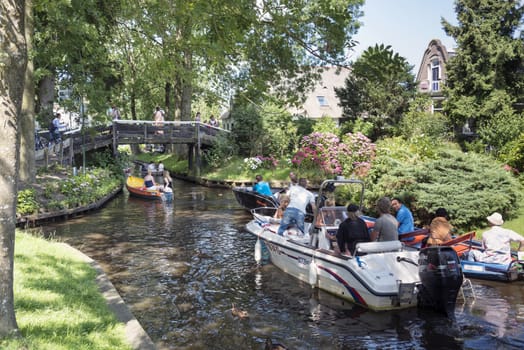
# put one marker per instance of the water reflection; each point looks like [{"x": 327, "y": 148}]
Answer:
[{"x": 181, "y": 266}]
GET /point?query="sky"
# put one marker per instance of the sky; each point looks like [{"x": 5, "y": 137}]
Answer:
[{"x": 407, "y": 25}]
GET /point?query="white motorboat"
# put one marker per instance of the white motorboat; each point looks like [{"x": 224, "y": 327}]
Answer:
[{"x": 379, "y": 276}]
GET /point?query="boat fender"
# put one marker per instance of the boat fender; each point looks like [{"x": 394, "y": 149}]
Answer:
[
  {"x": 258, "y": 251},
  {"x": 313, "y": 273}
]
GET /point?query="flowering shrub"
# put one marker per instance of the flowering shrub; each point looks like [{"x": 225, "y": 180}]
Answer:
[
  {"x": 356, "y": 153},
  {"x": 253, "y": 163},
  {"x": 319, "y": 150},
  {"x": 326, "y": 152}
]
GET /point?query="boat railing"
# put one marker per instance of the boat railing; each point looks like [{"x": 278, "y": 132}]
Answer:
[{"x": 378, "y": 247}]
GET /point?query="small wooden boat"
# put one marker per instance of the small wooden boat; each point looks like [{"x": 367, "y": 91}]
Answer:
[{"x": 135, "y": 186}]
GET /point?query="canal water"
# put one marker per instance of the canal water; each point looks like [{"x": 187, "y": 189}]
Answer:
[{"x": 182, "y": 268}]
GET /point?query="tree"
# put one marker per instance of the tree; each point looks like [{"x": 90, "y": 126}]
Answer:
[
  {"x": 179, "y": 51},
  {"x": 13, "y": 60},
  {"x": 27, "y": 123},
  {"x": 378, "y": 89},
  {"x": 486, "y": 76}
]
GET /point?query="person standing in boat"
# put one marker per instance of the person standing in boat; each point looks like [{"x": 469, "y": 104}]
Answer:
[
  {"x": 295, "y": 212},
  {"x": 262, "y": 187},
  {"x": 403, "y": 216},
  {"x": 497, "y": 242},
  {"x": 167, "y": 188},
  {"x": 351, "y": 231},
  {"x": 386, "y": 226}
]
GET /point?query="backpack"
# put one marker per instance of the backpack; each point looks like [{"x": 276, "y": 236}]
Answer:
[{"x": 52, "y": 127}]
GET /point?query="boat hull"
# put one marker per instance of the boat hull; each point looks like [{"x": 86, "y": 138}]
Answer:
[
  {"x": 250, "y": 199},
  {"x": 135, "y": 187},
  {"x": 363, "y": 280},
  {"x": 491, "y": 272}
]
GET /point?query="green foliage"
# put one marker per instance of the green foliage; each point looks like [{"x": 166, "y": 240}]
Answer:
[
  {"x": 279, "y": 136},
  {"x": 304, "y": 126},
  {"x": 357, "y": 126},
  {"x": 487, "y": 73},
  {"x": 221, "y": 152},
  {"x": 418, "y": 121},
  {"x": 513, "y": 153},
  {"x": 380, "y": 87},
  {"x": 504, "y": 125},
  {"x": 27, "y": 202},
  {"x": 326, "y": 124},
  {"x": 471, "y": 186},
  {"x": 246, "y": 129}
]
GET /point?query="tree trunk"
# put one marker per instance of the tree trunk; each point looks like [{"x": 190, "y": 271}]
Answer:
[
  {"x": 13, "y": 62},
  {"x": 27, "y": 122},
  {"x": 46, "y": 97},
  {"x": 167, "y": 99}
]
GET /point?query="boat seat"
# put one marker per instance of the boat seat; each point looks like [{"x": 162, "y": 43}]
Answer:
[{"x": 378, "y": 247}]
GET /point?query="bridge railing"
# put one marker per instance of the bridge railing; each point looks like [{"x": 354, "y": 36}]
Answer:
[{"x": 143, "y": 132}]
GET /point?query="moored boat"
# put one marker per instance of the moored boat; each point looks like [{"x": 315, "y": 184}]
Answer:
[
  {"x": 485, "y": 270},
  {"x": 379, "y": 275},
  {"x": 135, "y": 186},
  {"x": 250, "y": 199}
]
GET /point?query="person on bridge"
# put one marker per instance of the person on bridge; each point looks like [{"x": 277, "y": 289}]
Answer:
[
  {"x": 158, "y": 117},
  {"x": 115, "y": 113},
  {"x": 54, "y": 129}
]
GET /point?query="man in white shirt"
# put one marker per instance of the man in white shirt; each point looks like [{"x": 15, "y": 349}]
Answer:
[
  {"x": 496, "y": 242},
  {"x": 295, "y": 212}
]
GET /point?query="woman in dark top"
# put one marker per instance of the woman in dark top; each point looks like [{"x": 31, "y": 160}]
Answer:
[{"x": 351, "y": 231}]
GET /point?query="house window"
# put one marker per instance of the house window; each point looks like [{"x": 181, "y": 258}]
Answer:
[
  {"x": 322, "y": 101},
  {"x": 435, "y": 75}
]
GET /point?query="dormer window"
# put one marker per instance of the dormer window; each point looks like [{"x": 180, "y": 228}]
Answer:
[
  {"x": 435, "y": 75},
  {"x": 322, "y": 101}
]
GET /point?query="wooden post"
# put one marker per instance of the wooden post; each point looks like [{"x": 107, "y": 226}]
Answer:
[
  {"x": 190, "y": 165},
  {"x": 71, "y": 151},
  {"x": 115, "y": 138}
]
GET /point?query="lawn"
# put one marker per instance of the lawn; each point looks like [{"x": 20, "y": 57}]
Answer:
[{"x": 58, "y": 304}]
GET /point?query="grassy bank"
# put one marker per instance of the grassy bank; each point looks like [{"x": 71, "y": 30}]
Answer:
[{"x": 57, "y": 301}]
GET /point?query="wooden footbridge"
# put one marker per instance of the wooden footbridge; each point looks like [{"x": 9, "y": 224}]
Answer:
[{"x": 195, "y": 135}]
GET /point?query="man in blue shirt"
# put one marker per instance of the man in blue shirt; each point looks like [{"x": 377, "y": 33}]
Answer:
[
  {"x": 262, "y": 187},
  {"x": 404, "y": 216}
]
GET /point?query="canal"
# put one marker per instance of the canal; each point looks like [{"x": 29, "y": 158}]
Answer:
[{"x": 181, "y": 267}]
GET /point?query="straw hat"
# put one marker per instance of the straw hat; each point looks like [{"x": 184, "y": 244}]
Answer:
[{"x": 495, "y": 219}]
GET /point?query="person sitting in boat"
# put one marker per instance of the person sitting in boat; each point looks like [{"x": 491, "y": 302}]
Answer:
[
  {"x": 351, "y": 231},
  {"x": 403, "y": 216},
  {"x": 496, "y": 242},
  {"x": 149, "y": 182},
  {"x": 151, "y": 167},
  {"x": 262, "y": 187},
  {"x": 326, "y": 216},
  {"x": 295, "y": 212},
  {"x": 439, "y": 229},
  {"x": 386, "y": 226},
  {"x": 284, "y": 202}
]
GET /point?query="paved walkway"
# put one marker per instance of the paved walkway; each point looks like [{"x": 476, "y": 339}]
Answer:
[{"x": 135, "y": 334}]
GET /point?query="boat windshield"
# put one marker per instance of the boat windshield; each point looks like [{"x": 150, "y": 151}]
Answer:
[{"x": 332, "y": 216}]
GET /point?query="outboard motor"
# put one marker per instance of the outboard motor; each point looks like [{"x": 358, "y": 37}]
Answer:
[{"x": 441, "y": 275}]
